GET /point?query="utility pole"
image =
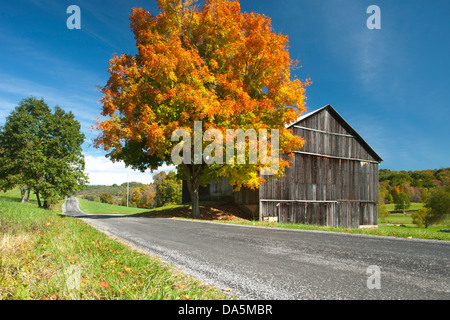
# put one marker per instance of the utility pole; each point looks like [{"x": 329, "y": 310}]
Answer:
[{"x": 128, "y": 189}]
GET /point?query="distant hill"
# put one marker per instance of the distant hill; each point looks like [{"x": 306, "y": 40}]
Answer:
[
  {"x": 412, "y": 183},
  {"x": 119, "y": 192}
]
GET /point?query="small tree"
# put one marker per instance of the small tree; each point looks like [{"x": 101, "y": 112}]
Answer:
[
  {"x": 168, "y": 190},
  {"x": 402, "y": 202},
  {"x": 437, "y": 205},
  {"x": 382, "y": 212},
  {"x": 107, "y": 198},
  {"x": 143, "y": 196},
  {"x": 388, "y": 198},
  {"x": 439, "y": 201},
  {"x": 424, "y": 217}
]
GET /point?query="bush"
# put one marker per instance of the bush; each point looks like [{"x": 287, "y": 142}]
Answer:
[
  {"x": 382, "y": 212},
  {"x": 402, "y": 202},
  {"x": 439, "y": 201},
  {"x": 425, "y": 217}
]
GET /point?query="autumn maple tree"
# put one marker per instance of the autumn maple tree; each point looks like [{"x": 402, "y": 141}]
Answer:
[{"x": 211, "y": 63}]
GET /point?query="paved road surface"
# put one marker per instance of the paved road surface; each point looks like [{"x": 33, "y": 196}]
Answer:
[{"x": 260, "y": 263}]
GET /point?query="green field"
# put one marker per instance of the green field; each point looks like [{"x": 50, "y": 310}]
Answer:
[
  {"x": 49, "y": 256},
  {"x": 414, "y": 207},
  {"x": 105, "y": 208}
]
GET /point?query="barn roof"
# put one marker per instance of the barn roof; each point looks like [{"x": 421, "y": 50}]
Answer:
[{"x": 344, "y": 123}]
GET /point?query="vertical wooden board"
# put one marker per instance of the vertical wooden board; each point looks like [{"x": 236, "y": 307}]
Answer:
[
  {"x": 346, "y": 219},
  {"x": 329, "y": 179},
  {"x": 338, "y": 211},
  {"x": 350, "y": 145},
  {"x": 294, "y": 213},
  {"x": 313, "y": 213},
  {"x": 322, "y": 214},
  {"x": 326, "y": 120},
  {"x": 361, "y": 180},
  {"x": 262, "y": 210},
  {"x": 313, "y": 169},
  {"x": 341, "y": 214},
  {"x": 292, "y": 217},
  {"x": 357, "y": 172},
  {"x": 353, "y": 149},
  {"x": 375, "y": 184},
  {"x": 306, "y": 143},
  {"x": 337, "y": 180},
  {"x": 308, "y": 217},
  {"x": 342, "y": 174},
  {"x": 317, "y": 136},
  {"x": 300, "y": 213},
  {"x": 366, "y": 188},
  {"x": 320, "y": 179},
  {"x": 356, "y": 215},
  {"x": 307, "y": 169},
  {"x": 364, "y": 214},
  {"x": 334, "y": 216},
  {"x": 304, "y": 169}
]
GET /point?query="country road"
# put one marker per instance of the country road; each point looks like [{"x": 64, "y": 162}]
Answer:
[{"x": 265, "y": 263}]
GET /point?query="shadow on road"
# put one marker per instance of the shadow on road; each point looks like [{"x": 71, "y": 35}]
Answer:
[{"x": 208, "y": 211}]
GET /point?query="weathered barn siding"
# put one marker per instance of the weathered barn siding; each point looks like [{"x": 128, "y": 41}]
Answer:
[{"x": 332, "y": 180}]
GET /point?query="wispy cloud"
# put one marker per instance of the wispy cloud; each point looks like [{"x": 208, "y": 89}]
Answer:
[
  {"x": 15, "y": 89},
  {"x": 360, "y": 52}
]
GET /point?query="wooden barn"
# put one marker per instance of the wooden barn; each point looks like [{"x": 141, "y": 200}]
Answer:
[{"x": 332, "y": 180}]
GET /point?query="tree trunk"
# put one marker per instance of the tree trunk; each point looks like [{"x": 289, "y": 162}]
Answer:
[
  {"x": 38, "y": 199},
  {"x": 195, "y": 204},
  {"x": 22, "y": 193},
  {"x": 27, "y": 199},
  {"x": 193, "y": 183}
]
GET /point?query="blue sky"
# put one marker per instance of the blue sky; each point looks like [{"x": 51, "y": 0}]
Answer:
[{"x": 391, "y": 85}]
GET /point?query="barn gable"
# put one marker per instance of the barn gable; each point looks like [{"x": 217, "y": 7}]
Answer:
[{"x": 327, "y": 134}]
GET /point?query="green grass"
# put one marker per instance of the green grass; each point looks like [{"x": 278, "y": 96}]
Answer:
[
  {"x": 45, "y": 255},
  {"x": 414, "y": 207},
  {"x": 105, "y": 208}
]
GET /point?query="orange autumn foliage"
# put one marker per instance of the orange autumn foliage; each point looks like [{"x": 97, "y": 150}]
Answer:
[{"x": 215, "y": 64}]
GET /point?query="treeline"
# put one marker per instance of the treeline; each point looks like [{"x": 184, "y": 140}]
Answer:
[
  {"x": 165, "y": 190},
  {"x": 412, "y": 186}
]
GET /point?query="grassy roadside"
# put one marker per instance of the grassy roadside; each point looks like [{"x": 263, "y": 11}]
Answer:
[{"x": 44, "y": 255}]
